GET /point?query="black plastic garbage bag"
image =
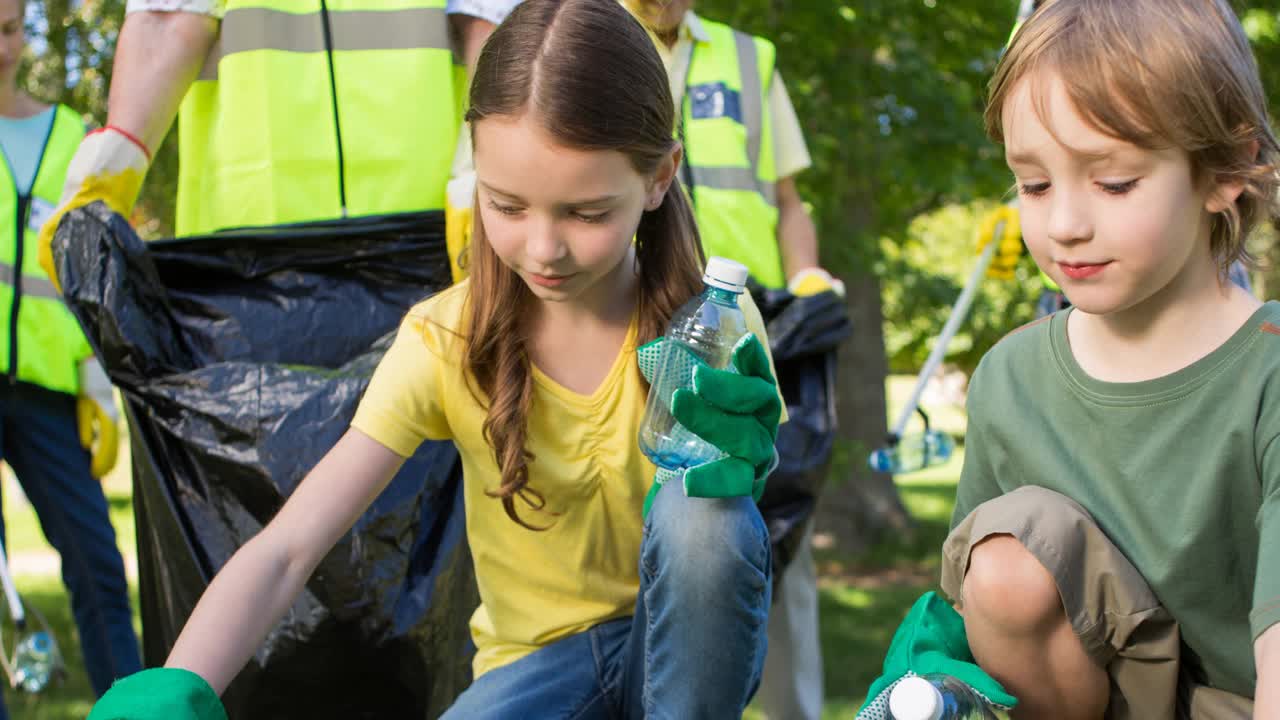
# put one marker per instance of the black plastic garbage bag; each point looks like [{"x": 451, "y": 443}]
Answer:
[
  {"x": 804, "y": 334},
  {"x": 242, "y": 357}
]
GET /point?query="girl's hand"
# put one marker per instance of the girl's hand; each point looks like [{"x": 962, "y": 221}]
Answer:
[
  {"x": 738, "y": 413},
  {"x": 159, "y": 694}
]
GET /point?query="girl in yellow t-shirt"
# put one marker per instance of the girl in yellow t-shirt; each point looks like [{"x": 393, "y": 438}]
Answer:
[{"x": 584, "y": 246}]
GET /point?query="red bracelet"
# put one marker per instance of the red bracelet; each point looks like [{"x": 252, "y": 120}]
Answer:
[{"x": 128, "y": 136}]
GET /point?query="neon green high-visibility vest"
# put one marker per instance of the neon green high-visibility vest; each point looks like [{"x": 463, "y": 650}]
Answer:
[
  {"x": 728, "y": 143},
  {"x": 319, "y": 109},
  {"x": 40, "y": 341}
]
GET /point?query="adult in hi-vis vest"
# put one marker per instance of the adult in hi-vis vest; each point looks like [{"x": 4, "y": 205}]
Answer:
[
  {"x": 290, "y": 111},
  {"x": 54, "y": 397},
  {"x": 280, "y": 121},
  {"x": 743, "y": 148}
]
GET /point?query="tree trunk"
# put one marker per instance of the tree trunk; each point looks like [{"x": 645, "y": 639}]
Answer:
[{"x": 855, "y": 508}]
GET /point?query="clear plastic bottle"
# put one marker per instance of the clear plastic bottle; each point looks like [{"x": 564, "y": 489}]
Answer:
[
  {"x": 913, "y": 452},
  {"x": 34, "y": 660},
  {"x": 937, "y": 697},
  {"x": 705, "y": 329}
]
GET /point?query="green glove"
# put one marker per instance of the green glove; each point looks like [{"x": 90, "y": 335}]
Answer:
[
  {"x": 737, "y": 412},
  {"x": 159, "y": 694},
  {"x": 931, "y": 640}
]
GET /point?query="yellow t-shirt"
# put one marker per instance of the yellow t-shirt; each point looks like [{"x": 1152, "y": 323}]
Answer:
[{"x": 535, "y": 587}]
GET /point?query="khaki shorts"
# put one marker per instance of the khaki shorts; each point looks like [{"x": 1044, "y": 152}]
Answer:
[{"x": 1114, "y": 613}]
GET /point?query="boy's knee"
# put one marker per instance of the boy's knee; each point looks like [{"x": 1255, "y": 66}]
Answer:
[{"x": 1006, "y": 587}]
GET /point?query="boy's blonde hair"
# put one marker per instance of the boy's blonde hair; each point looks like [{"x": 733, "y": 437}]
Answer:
[{"x": 1158, "y": 74}]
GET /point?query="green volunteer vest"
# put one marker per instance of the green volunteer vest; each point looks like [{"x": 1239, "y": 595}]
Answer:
[
  {"x": 319, "y": 109},
  {"x": 40, "y": 341},
  {"x": 728, "y": 142}
]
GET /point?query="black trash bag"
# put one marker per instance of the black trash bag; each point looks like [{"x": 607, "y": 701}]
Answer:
[
  {"x": 242, "y": 357},
  {"x": 804, "y": 334}
]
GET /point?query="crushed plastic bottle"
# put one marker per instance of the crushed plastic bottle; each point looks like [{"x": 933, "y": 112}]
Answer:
[
  {"x": 704, "y": 330},
  {"x": 34, "y": 661}
]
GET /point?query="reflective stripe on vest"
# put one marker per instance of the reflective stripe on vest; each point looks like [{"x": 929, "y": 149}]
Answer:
[
  {"x": 256, "y": 28},
  {"x": 279, "y": 129},
  {"x": 728, "y": 137},
  {"x": 40, "y": 340}
]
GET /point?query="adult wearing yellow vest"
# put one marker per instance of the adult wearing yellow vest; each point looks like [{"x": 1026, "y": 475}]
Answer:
[
  {"x": 46, "y": 363},
  {"x": 743, "y": 148},
  {"x": 291, "y": 110}
]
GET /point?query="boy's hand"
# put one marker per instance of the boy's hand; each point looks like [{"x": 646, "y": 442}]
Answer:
[
  {"x": 159, "y": 694},
  {"x": 931, "y": 640}
]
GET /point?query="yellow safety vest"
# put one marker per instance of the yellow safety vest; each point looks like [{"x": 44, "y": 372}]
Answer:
[
  {"x": 319, "y": 109},
  {"x": 727, "y": 134},
  {"x": 40, "y": 340}
]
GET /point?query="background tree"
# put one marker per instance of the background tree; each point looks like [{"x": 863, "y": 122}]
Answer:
[{"x": 890, "y": 96}]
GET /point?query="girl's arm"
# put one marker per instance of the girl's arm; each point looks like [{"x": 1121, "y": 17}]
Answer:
[
  {"x": 259, "y": 583},
  {"x": 1266, "y": 657}
]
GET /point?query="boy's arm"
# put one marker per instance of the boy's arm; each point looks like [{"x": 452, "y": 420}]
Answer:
[
  {"x": 977, "y": 477},
  {"x": 1266, "y": 655},
  {"x": 258, "y": 585}
]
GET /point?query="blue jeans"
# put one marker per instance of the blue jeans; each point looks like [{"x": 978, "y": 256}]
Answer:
[
  {"x": 694, "y": 649},
  {"x": 39, "y": 440}
]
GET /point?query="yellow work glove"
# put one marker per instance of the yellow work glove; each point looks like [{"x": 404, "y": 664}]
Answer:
[
  {"x": 1009, "y": 250},
  {"x": 814, "y": 280},
  {"x": 109, "y": 165},
  {"x": 97, "y": 417},
  {"x": 458, "y": 219}
]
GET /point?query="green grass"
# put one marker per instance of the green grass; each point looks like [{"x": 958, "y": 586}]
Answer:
[{"x": 862, "y": 597}]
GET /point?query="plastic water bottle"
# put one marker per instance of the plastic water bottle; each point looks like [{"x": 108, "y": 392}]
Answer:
[
  {"x": 705, "y": 329},
  {"x": 937, "y": 697},
  {"x": 913, "y": 452},
  {"x": 34, "y": 660}
]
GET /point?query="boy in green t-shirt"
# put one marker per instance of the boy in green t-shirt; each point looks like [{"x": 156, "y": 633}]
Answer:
[{"x": 1116, "y": 548}]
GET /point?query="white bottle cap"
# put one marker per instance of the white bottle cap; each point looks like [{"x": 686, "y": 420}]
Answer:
[
  {"x": 725, "y": 274},
  {"x": 915, "y": 698}
]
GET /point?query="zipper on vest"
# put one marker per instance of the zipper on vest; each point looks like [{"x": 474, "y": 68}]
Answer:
[
  {"x": 20, "y": 236},
  {"x": 333, "y": 98},
  {"x": 23, "y": 208}
]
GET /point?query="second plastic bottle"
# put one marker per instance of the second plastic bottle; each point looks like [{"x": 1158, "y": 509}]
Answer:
[
  {"x": 913, "y": 452},
  {"x": 937, "y": 697},
  {"x": 704, "y": 330}
]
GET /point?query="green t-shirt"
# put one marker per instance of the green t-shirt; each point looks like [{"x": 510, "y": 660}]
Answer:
[{"x": 1182, "y": 473}]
